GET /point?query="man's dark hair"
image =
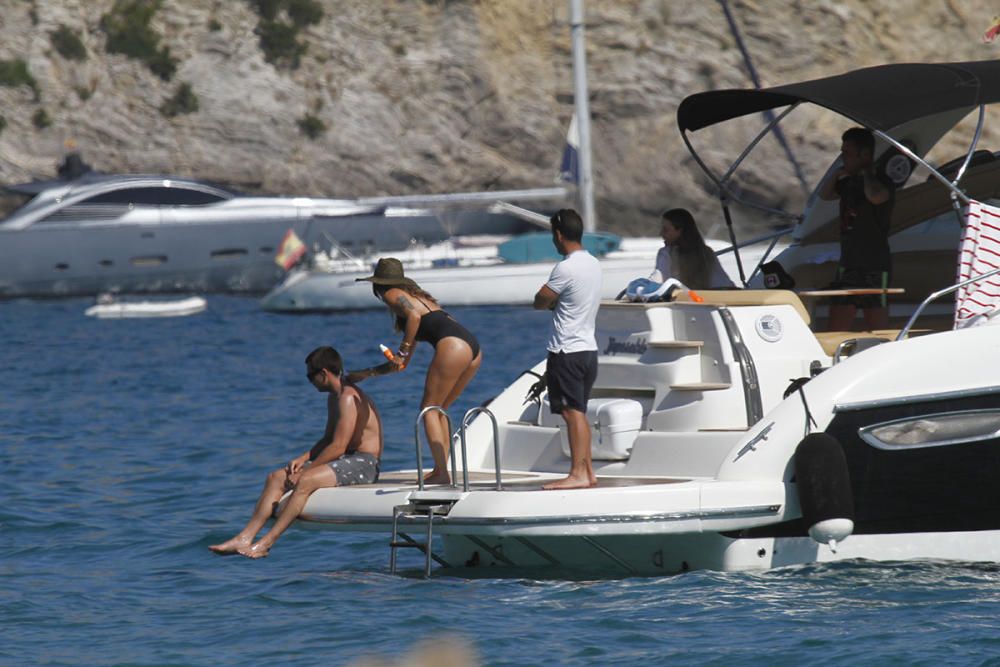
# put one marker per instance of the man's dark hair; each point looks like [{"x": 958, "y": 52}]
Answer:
[
  {"x": 860, "y": 137},
  {"x": 568, "y": 223},
  {"x": 325, "y": 357}
]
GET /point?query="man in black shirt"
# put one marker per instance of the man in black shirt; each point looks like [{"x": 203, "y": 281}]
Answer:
[{"x": 866, "y": 202}]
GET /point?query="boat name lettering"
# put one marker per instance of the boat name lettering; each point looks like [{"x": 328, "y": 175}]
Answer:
[{"x": 625, "y": 347}]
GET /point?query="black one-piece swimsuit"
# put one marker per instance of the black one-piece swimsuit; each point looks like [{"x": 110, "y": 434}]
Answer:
[{"x": 438, "y": 324}]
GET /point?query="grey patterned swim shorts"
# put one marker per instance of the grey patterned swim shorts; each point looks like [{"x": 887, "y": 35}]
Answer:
[{"x": 356, "y": 468}]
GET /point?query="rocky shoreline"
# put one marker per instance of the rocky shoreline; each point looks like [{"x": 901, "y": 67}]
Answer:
[{"x": 399, "y": 98}]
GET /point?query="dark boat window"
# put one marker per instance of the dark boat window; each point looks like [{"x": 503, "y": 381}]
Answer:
[
  {"x": 229, "y": 253},
  {"x": 87, "y": 213},
  {"x": 937, "y": 430},
  {"x": 106, "y": 262},
  {"x": 156, "y": 196}
]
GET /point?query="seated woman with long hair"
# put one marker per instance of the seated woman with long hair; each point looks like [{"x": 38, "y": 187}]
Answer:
[
  {"x": 685, "y": 255},
  {"x": 457, "y": 356}
]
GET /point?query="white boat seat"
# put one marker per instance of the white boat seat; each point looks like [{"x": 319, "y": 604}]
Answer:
[{"x": 749, "y": 297}]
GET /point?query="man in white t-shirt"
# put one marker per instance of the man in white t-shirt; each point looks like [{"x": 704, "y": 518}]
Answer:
[{"x": 573, "y": 291}]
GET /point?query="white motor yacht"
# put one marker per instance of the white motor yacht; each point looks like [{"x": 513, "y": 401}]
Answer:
[{"x": 727, "y": 434}]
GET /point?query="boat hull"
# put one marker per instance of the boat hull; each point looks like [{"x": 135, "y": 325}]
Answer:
[
  {"x": 687, "y": 537},
  {"x": 657, "y": 555}
]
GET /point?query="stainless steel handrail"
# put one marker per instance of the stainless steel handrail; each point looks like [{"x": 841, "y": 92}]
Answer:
[
  {"x": 472, "y": 412},
  {"x": 935, "y": 295},
  {"x": 972, "y": 148},
  {"x": 420, "y": 456}
]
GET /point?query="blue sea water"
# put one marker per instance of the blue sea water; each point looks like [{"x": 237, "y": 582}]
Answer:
[{"x": 130, "y": 446}]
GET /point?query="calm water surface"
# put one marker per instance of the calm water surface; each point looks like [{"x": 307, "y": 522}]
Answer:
[{"x": 128, "y": 447}]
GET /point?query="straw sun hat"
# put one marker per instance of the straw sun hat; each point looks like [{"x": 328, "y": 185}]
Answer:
[{"x": 388, "y": 271}]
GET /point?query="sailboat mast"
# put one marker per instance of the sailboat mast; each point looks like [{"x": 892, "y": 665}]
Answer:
[{"x": 582, "y": 111}]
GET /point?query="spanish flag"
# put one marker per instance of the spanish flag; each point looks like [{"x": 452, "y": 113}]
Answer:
[
  {"x": 994, "y": 30},
  {"x": 290, "y": 251}
]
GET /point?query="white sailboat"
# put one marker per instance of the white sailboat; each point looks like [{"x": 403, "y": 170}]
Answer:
[{"x": 461, "y": 271}]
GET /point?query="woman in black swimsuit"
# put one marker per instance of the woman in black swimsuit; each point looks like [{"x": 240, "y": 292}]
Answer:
[{"x": 457, "y": 356}]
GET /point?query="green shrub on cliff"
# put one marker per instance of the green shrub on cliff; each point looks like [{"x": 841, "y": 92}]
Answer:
[
  {"x": 128, "y": 32},
  {"x": 266, "y": 9},
  {"x": 14, "y": 73},
  {"x": 68, "y": 44},
  {"x": 280, "y": 44},
  {"x": 311, "y": 126},
  {"x": 41, "y": 119},
  {"x": 183, "y": 101},
  {"x": 279, "y": 36},
  {"x": 304, "y": 12},
  {"x": 301, "y": 12}
]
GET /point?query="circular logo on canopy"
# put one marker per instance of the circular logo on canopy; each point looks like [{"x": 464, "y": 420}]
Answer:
[
  {"x": 898, "y": 168},
  {"x": 769, "y": 328}
]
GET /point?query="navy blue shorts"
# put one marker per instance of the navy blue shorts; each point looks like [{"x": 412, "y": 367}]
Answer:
[{"x": 570, "y": 377}]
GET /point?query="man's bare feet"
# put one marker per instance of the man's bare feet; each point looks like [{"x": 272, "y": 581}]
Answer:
[
  {"x": 256, "y": 551},
  {"x": 571, "y": 483},
  {"x": 231, "y": 546},
  {"x": 437, "y": 478}
]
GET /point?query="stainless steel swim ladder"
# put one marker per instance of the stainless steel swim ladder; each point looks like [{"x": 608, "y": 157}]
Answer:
[{"x": 425, "y": 506}]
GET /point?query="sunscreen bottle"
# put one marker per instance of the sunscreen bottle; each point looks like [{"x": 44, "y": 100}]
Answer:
[{"x": 387, "y": 353}]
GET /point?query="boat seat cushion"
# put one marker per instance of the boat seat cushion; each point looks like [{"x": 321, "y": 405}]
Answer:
[
  {"x": 830, "y": 340},
  {"x": 748, "y": 297}
]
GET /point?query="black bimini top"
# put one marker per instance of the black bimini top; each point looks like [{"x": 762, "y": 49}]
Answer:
[{"x": 880, "y": 98}]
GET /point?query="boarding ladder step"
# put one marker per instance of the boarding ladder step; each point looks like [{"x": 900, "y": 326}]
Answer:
[
  {"x": 417, "y": 512},
  {"x": 427, "y": 504}
]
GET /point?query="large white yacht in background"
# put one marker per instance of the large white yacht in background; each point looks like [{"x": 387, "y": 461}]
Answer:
[
  {"x": 103, "y": 233},
  {"x": 707, "y": 454}
]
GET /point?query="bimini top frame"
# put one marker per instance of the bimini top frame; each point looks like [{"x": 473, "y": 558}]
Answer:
[{"x": 880, "y": 98}]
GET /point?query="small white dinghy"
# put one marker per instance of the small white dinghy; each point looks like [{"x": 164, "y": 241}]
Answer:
[{"x": 108, "y": 307}]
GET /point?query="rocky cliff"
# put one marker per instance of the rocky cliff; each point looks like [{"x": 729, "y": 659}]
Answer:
[{"x": 379, "y": 97}]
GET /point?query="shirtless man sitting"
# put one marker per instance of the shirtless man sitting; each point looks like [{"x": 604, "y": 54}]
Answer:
[{"x": 348, "y": 453}]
